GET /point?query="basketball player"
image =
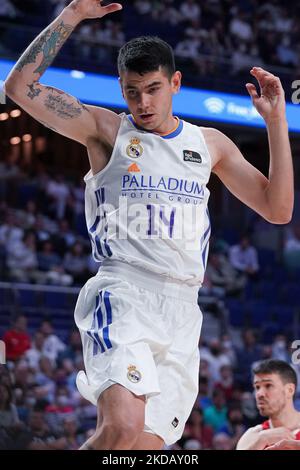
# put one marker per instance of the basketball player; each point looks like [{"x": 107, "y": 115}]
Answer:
[
  {"x": 275, "y": 383},
  {"x": 138, "y": 317}
]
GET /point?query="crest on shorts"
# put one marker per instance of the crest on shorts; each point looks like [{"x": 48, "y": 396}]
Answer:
[
  {"x": 133, "y": 374},
  {"x": 134, "y": 149}
]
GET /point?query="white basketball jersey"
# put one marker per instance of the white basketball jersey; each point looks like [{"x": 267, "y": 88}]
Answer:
[{"x": 148, "y": 206}]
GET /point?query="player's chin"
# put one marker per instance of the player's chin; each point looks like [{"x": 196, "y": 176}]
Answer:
[{"x": 263, "y": 410}]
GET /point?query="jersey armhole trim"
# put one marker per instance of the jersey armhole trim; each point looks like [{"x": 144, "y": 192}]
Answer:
[{"x": 90, "y": 176}]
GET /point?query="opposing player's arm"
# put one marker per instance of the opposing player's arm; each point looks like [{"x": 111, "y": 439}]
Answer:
[
  {"x": 251, "y": 440},
  {"x": 271, "y": 198},
  {"x": 257, "y": 438}
]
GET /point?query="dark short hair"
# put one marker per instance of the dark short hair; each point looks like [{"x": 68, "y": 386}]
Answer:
[
  {"x": 146, "y": 54},
  {"x": 275, "y": 366}
]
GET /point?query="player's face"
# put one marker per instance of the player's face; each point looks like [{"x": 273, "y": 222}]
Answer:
[
  {"x": 271, "y": 394},
  {"x": 149, "y": 97}
]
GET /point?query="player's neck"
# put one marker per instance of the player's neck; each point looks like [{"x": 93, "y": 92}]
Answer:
[
  {"x": 168, "y": 126},
  {"x": 289, "y": 418}
]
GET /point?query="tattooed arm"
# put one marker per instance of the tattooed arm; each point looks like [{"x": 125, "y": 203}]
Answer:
[{"x": 52, "y": 107}]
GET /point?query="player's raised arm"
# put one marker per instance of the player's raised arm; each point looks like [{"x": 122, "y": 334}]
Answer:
[
  {"x": 52, "y": 107},
  {"x": 271, "y": 197}
]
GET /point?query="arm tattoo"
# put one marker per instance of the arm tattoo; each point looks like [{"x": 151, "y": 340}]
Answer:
[
  {"x": 57, "y": 102},
  {"x": 33, "y": 91},
  {"x": 83, "y": 105},
  {"x": 53, "y": 44},
  {"x": 29, "y": 56},
  {"x": 49, "y": 44}
]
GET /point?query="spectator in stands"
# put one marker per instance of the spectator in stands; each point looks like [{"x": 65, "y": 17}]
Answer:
[
  {"x": 279, "y": 348},
  {"x": 143, "y": 7},
  {"x": 10, "y": 232},
  {"x": 240, "y": 28},
  {"x": 42, "y": 438},
  {"x": 8, "y": 411},
  {"x": 226, "y": 381},
  {"x": 190, "y": 10},
  {"x": 235, "y": 427},
  {"x": 243, "y": 257},
  {"x": 50, "y": 264},
  {"x": 221, "y": 441},
  {"x": 10, "y": 174},
  {"x": 196, "y": 429},
  {"x": 27, "y": 216},
  {"x": 17, "y": 340},
  {"x": 64, "y": 237},
  {"x": 59, "y": 193},
  {"x": 249, "y": 353},
  {"x": 203, "y": 399},
  {"x": 73, "y": 350},
  {"x": 75, "y": 263},
  {"x": 292, "y": 248},
  {"x": 35, "y": 353},
  {"x": 12, "y": 430},
  {"x": 216, "y": 359},
  {"x": 7, "y": 9},
  {"x": 71, "y": 433},
  {"x": 53, "y": 345},
  {"x": 45, "y": 381},
  {"x": 221, "y": 274},
  {"x": 22, "y": 260},
  {"x": 216, "y": 414}
]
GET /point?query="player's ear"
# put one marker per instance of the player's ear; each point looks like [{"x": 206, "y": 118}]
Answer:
[
  {"x": 176, "y": 81},
  {"x": 291, "y": 389}
]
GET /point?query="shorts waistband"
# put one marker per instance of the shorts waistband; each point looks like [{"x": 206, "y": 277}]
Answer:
[{"x": 149, "y": 280}]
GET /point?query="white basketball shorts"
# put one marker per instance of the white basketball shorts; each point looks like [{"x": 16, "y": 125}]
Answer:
[{"x": 141, "y": 332}]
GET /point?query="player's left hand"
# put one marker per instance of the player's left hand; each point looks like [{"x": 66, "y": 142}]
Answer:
[
  {"x": 285, "y": 444},
  {"x": 270, "y": 103}
]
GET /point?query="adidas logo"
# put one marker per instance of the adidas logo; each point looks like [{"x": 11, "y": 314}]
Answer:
[{"x": 133, "y": 168}]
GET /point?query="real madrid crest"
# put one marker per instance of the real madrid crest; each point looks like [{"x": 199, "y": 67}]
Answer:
[
  {"x": 133, "y": 374},
  {"x": 134, "y": 149}
]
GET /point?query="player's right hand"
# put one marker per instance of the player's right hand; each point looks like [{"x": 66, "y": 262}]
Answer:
[{"x": 89, "y": 9}]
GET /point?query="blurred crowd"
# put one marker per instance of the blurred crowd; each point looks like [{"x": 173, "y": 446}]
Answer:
[
  {"x": 220, "y": 38},
  {"x": 40, "y": 407}
]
